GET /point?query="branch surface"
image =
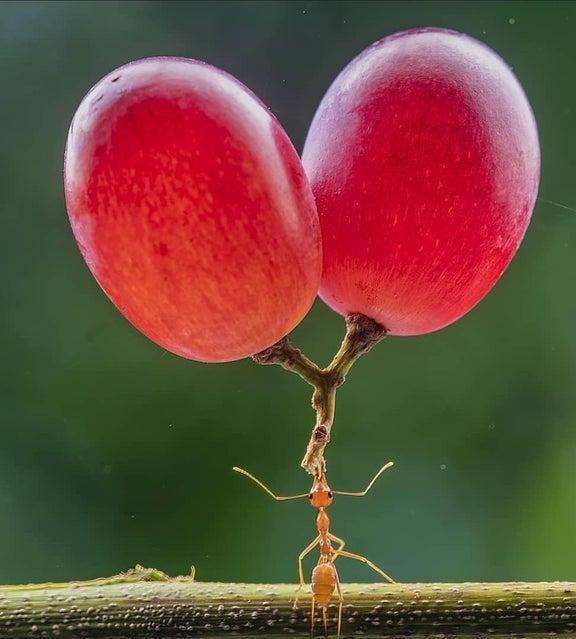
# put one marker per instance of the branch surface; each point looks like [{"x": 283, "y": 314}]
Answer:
[
  {"x": 149, "y": 605},
  {"x": 362, "y": 333}
]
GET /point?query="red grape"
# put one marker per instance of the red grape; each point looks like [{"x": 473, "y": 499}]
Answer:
[
  {"x": 424, "y": 161},
  {"x": 192, "y": 209}
]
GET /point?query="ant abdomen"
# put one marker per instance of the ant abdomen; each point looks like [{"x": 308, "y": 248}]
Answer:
[{"x": 323, "y": 583}]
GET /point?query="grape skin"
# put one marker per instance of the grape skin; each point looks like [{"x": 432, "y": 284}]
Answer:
[
  {"x": 191, "y": 209},
  {"x": 424, "y": 160}
]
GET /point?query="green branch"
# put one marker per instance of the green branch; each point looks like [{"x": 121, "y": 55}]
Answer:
[{"x": 148, "y": 604}]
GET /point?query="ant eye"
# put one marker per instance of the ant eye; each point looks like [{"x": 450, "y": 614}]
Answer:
[
  {"x": 310, "y": 496},
  {"x": 330, "y": 494}
]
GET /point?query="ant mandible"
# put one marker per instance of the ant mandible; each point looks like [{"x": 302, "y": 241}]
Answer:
[{"x": 324, "y": 576}]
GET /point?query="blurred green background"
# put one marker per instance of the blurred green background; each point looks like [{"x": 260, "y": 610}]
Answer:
[{"x": 115, "y": 452}]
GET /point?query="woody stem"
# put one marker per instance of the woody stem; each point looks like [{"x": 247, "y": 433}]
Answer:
[{"x": 362, "y": 333}]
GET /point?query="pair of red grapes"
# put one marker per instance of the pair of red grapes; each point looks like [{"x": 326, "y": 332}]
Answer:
[{"x": 203, "y": 226}]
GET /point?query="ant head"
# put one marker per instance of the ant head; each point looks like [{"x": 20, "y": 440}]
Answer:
[{"x": 320, "y": 496}]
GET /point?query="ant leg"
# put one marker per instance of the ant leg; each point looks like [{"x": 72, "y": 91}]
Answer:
[
  {"x": 301, "y": 556},
  {"x": 350, "y": 555},
  {"x": 340, "y": 603},
  {"x": 325, "y": 620},
  {"x": 312, "y": 616},
  {"x": 338, "y": 541}
]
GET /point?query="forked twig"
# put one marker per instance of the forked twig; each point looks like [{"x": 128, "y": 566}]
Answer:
[{"x": 362, "y": 333}]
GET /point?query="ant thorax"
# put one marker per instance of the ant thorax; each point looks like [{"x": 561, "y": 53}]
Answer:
[{"x": 322, "y": 522}]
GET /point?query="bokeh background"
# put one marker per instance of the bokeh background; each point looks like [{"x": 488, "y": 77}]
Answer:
[{"x": 114, "y": 452}]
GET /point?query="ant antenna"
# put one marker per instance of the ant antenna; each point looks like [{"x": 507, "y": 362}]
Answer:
[
  {"x": 362, "y": 493},
  {"x": 264, "y": 487}
]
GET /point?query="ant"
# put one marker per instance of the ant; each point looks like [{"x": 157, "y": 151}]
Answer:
[{"x": 324, "y": 576}]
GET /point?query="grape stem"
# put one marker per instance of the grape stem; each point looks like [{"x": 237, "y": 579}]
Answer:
[{"x": 362, "y": 333}]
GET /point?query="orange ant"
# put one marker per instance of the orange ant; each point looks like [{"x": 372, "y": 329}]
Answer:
[{"x": 324, "y": 576}]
